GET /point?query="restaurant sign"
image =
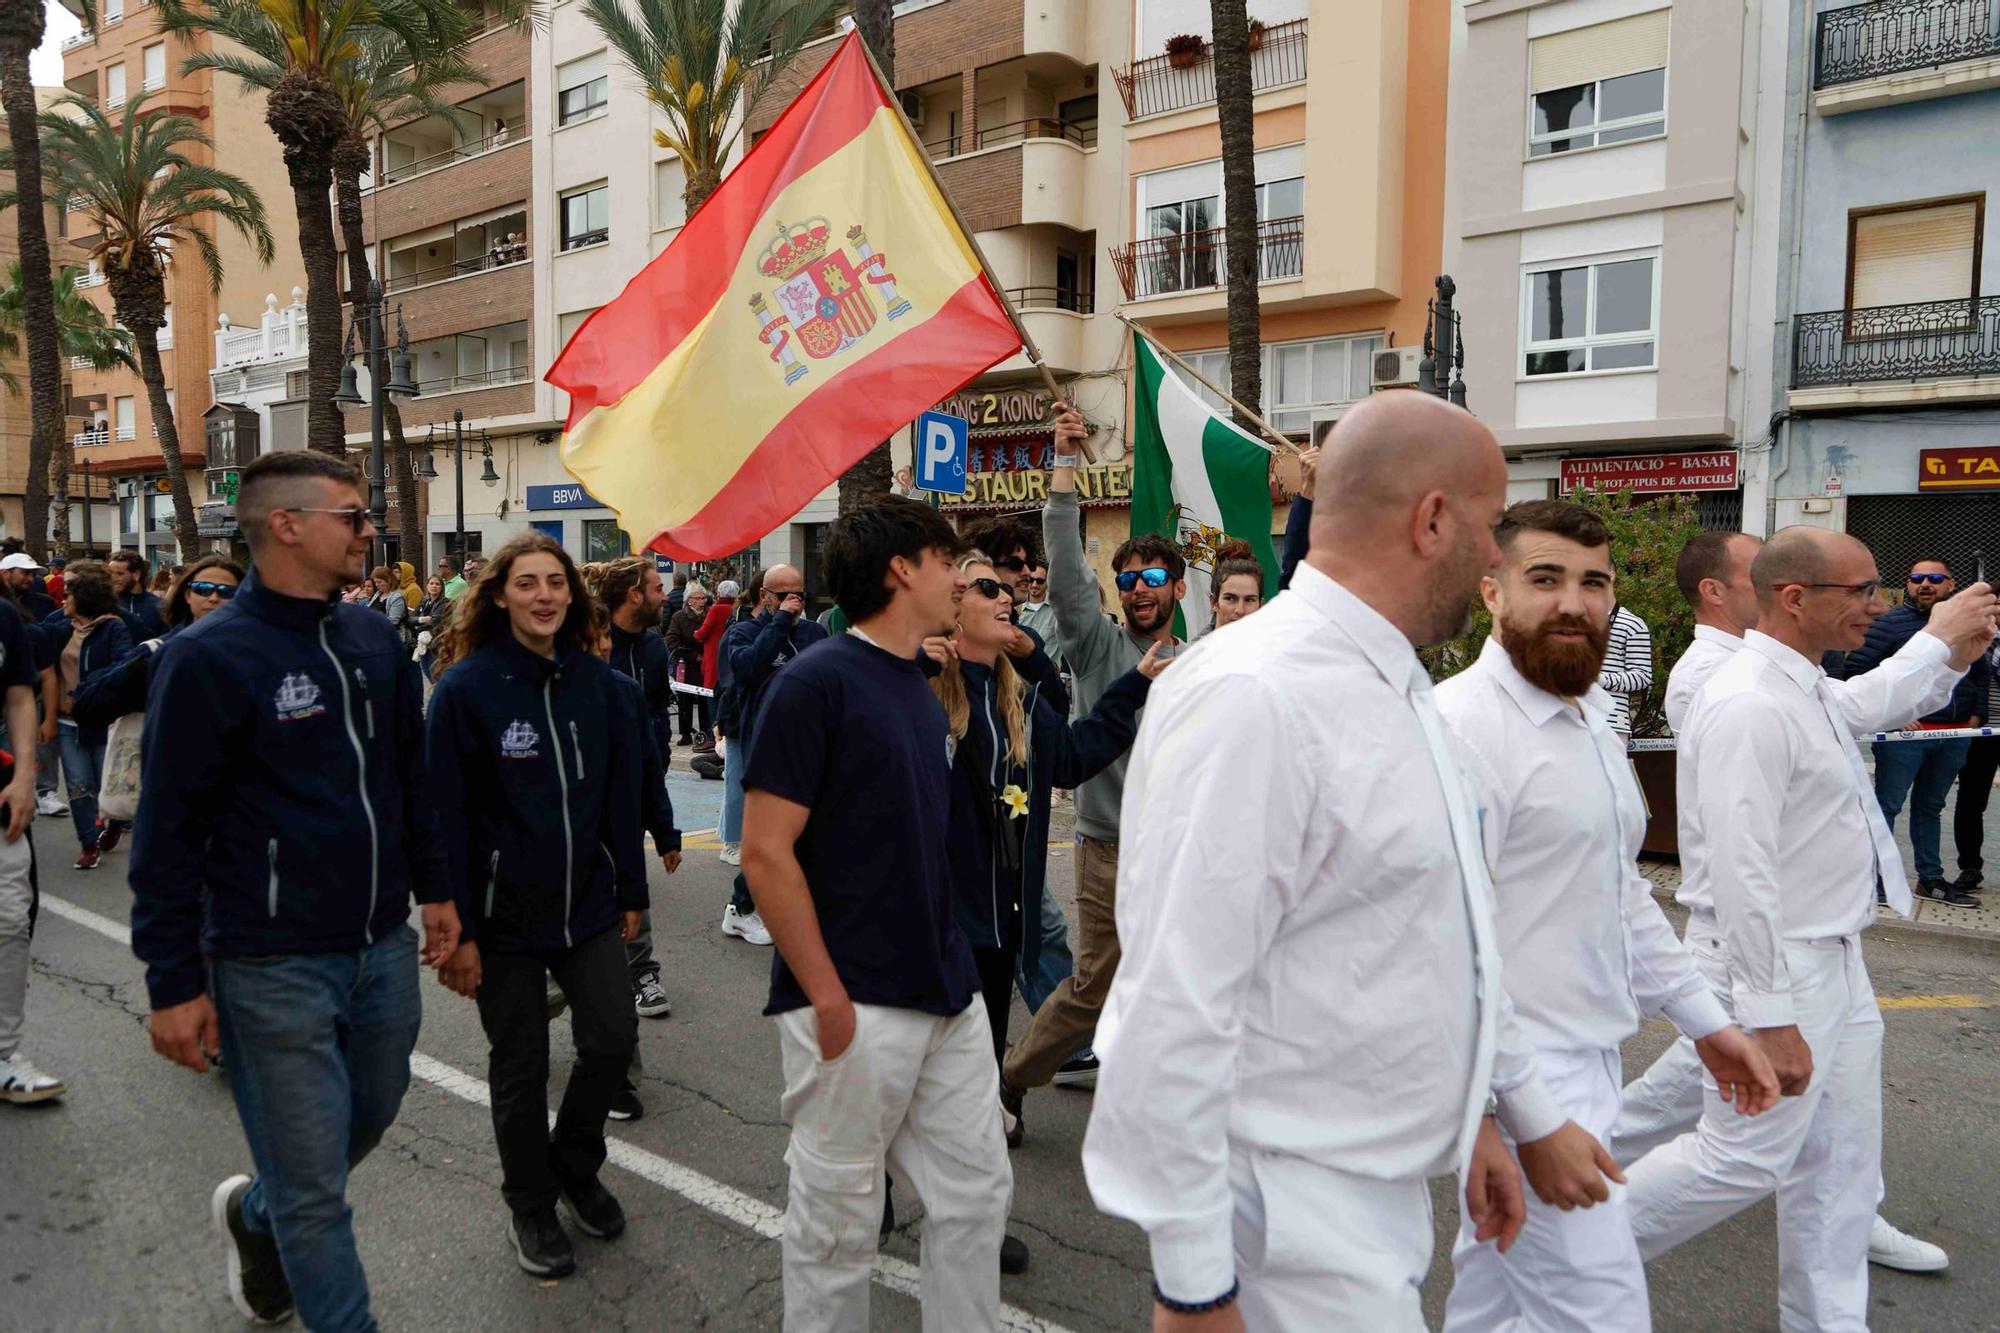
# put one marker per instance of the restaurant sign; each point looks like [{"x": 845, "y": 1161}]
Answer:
[
  {"x": 1965, "y": 469},
  {"x": 1654, "y": 474},
  {"x": 1017, "y": 488}
]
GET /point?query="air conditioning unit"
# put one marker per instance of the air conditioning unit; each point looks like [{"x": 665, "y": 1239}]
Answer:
[
  {"x": 913, "y": 108},
  {"x": 1396, "y": 367},
  {"x": 128, "y": 489}
]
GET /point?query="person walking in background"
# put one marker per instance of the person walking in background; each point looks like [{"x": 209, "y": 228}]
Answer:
[
  {"x": 1975, "y": 789},
  {"x": 128, "y": 579},
  {"x": 715, "y": 676},
  {"x": 687, "y": 654},
  {"x": 284, "y": 828},
  {"x": 53, "y": 585},
  {"x": 713, "y": 626},
  {"x": 429, "y": 619},
  {"x": 630, "y": 588},
  {"x": 447, "y": 570},
  {"x": 676, "y": 598},
  {"x": 1628, "y": 666},
  {"x": 21, "y": 1083},
  {"x": 1920, "y": 773},
  {"x": 387, "y": 598},
  {"x": 536, "y": 775},
  {"x": 22, "y": 575},
  {"x": 202, "y": 587},
  {"x": 90, "y": 635},
  {"x": 1034, "y": 611},
  {"x": 1236, "y": 585}
]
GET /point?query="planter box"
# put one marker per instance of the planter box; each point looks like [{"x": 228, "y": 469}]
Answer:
[
  {"x": 1656, "y": 771},
  {"x": 1186, "y": 59}
]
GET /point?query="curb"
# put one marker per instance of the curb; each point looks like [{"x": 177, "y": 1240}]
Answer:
[{"x": 1893, "y": 932}]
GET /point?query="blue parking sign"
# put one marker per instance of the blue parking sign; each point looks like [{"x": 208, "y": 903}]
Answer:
[{"x": 942, "y": 442}]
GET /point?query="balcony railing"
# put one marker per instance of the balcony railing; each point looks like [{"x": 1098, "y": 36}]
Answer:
[
  {"x": 1891, "y": 36},
  {"x": 1194, "y": 260},
  {"x": 1926, "y": 341},
  {"x": 497, "y": 258},
  {"x": 1039, "y": 127},
  {"x": 1153, "y": 86},
  {"x": 516, "y": 131},
  {"x": 1052, "y": 298},
  {"x": 84, "y": 38},
  {"x": 478, "y": 379},
  {"x": 88, "y": 279},
  {"x": 595, "y": 236},
  {"x": 87, "y": 439}
]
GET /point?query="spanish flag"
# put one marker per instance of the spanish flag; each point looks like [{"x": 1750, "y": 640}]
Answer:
[{"x": 819, "y": 300}]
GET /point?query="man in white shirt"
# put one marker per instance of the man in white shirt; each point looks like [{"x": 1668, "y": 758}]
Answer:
[
  {"x": 1308, "y": 1018},
  {"x": 1587, "y": 951},
  {"x": 1628, "y": 666},
  {"x": 1793, "y": 848}
]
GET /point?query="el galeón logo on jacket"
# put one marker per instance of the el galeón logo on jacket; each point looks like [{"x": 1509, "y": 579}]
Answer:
[
  {"x": 298, "y": 698},
  {"x": 518, "y": 741}
]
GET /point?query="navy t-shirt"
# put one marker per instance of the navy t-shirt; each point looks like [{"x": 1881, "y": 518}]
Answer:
[
  {"x": 855, "y": 735},
  {"x": 20, "y": 659}
]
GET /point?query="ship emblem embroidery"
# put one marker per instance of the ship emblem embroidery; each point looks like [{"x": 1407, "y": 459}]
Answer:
[
  {"x": 518, "y": 741},
  {"x": 823, "y": 304},
  {"x": 298, "y": 698}
]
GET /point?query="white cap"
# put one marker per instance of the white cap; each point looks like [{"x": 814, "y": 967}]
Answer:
[{"x": 19, "y": 560}]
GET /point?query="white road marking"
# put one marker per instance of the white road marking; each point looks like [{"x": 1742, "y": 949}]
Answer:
[{"x": 723, "y": 1200}]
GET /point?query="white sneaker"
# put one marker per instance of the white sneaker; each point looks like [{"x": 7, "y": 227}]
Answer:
[
  {"x": 22, "y": 1083},
  {"x": 732, "y": 853},
  {"x": 48, "y": 803},
  {"x": 745, "y": 926},
  {"x": 1895, "y": 1249}
]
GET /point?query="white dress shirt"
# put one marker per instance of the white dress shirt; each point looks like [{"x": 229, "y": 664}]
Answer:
[
  {"x": 1907, "y": 685},
  {"x": 1308, "y": 952},
  {"x": 1586, "y": 949},
  {"x": 1793, "y": 835}
]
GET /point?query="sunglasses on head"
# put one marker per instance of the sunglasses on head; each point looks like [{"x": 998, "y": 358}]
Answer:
[
  {"x": 1152, "y": 578},
  {"x": 357, "y": 519},
  {"x": 991, "y": 588},
  {"x": 204, "y": 588},
  {"x": 1929, "y": 578}
]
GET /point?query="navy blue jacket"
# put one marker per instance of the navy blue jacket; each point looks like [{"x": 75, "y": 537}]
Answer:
[
  {"x": 285, "y": 803},
  {"x": 106, "y": 695},
  {"x": 1896, "y": 627},
  {"x": 755, "y": 648},
  {"x": 111, "y": 640},
  {"x": 645, "y": 658},
  {"x": 143, "y": 610},
  {"x": 1298, "y": 539},
  {"x": 656, "y": 806},
  {"x": 36, "y": 605},
  {"x": 535, "y": 766},
  {"x": 992, "y": 899}
]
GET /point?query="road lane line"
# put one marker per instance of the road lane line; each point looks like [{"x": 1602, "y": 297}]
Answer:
[
  {"x": 711, "y": 1195},
  {"x": 1933, "y": 1002}
]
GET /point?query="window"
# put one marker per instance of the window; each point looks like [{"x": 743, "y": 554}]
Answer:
[
  {"x": 156, "y": 65},
  {"x": 582, "y": 88},
  {"x": 1595, "y": 316},
  {"x": 1302, "y": 380},
  {"x": 166, "y": 333},
  {"x": 568, "y": 324},
  {"x": 124, "y": 411},
  {"x": 669, "y": 194},
  {"x": 602, "y": 540},
  {"x": 586, "y": 217},
  {"x": 1179, "y": 204},
  {"x": 1908, "y": 255},
  {"x": 114, "y": 86},
  {"x": 114, "y": 10},
  {"x": 1605, "y": 84}
]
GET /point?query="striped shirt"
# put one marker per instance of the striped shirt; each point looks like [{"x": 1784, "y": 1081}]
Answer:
[{"x": 1628, "y": 666}]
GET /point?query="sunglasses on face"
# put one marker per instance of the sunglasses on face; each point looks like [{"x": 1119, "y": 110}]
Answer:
[
  {"x": 357, "y": 519},
  {"x": 991, "y": 588},
  {"x": 1152, "y": 578},
  {"x": 1929, "y": 578},
  {"x": 1011, "y": 566},
  {"x": 203, "y": 588}
]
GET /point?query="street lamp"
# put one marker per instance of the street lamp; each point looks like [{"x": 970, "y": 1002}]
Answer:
[
  {"x": 83, "y": 466},
  {"x": 428, "y": 471},
  {"x": 367, "y": 333}
]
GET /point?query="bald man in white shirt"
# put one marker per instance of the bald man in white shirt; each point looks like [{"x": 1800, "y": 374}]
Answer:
[
  {"x": 1587, "y": 952},
  {"x": 1793, "y": 847},
  {"x": 1308, "y": 1018}
]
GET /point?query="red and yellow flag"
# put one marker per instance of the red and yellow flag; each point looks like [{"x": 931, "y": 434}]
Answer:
[{"x": 821, "y": 299}]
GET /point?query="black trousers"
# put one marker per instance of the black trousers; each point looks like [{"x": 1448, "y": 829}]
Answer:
[
  {"x": 692, "y": 704},
  {"x": 513, "y": 1008},
  {"x": 996, "y": 987},
  {"x": 1975, "y": 788}
]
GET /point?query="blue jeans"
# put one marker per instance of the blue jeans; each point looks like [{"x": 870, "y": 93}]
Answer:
[
  {"x": 318, "y": 1050},
  {"x": 1053, "y": 963},
  {"x": 733, "y": 759},
  {"x": 83, "y": 769},
  {"x": 1922, "y": 773}
]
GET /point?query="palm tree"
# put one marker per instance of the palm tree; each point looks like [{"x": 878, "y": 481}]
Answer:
[
  {"x": 290, "y": 49},
  {"x": 82, "y": 333},
  {"x": 701, "y": 66},
  {"x": 21, "y": 29},
  {"x": 1239, "y": 201},
  {"x": 149, "y": 198}
]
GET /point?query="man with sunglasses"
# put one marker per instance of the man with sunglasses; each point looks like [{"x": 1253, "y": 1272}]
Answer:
[
  {"x": 1920, "y": 773},
  {"x": 283, "y": 833},
  {"x": 1151, "y": 577}
]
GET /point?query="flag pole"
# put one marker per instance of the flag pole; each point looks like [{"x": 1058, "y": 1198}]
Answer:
[
  {"x": 1211, "y": 386},
  {"x": 1034, "y": 353}
]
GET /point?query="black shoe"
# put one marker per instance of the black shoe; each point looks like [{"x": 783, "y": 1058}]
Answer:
[
  {"x": 1968, "y": 881},
  {"x": 1011, "y": 1119},
  {"x": 1944, "y": 891},
  {"x": 257, "y": 1285},
  {"x": 1079, "y": 1071},
  {"x": 888, "y": 1208},
  {"x": 596, "y": 1210},
  {"x": 1013, "y": 1256},
  {"x": 541, "y": 1246},
  {"x": 626, "y": 1105}
]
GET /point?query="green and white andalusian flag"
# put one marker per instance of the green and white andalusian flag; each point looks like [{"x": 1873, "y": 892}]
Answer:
[{"x": 1198, "y": 479}]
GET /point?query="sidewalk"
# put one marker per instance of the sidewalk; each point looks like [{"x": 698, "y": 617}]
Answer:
[{"x": 1976, "y": 923}]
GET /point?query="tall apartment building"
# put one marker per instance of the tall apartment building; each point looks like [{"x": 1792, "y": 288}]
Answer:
[
  {"x": 117, "y": 444},
  {"x": 1888, "y": 341},
  {"x": 1604, "y": 158}
]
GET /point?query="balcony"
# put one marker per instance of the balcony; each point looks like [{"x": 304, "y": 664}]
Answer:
[
  {"x": 1035, "y": 173},
  {"x": 1893, "y": 51},
  {"x": 81, "y": 39},
  {"x": 1198, "y": 260},
  {"x": 1898, "y": 355},
  {"x": 501, "y": 256},
  {"x": 1153, "y": 86},
  {"x": 90, "y": 439},
  {"x": 476, "y": 379}
]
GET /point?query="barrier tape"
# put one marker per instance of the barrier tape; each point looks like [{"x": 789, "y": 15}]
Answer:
[
  {"x": 680, "y": 688},
  {"x": 1912, "y": 734}
]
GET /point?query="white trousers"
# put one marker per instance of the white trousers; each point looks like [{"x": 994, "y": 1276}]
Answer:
[
  {"x": 1821, "y": 1152},
  {"x": 17, "y": 911},
  {"x": 1318, "y": 1248},
  {"x": 1574, "y": 1272},
  {"x": 1665, "y": 1102},
  {"x": 918, "y": 1094}
]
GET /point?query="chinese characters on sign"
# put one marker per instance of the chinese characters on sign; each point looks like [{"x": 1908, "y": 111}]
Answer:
[
  {"x": 1654, "y": 474},
  {"x": 1975, "y": 469}
]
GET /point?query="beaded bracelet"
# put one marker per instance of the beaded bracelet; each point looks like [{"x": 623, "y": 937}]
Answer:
[{"x": 1197, "y": 1307}]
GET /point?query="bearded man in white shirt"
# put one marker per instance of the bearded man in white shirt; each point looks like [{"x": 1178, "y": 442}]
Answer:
[
  {"x": 1793, "y": 848},
  {"x": 1308, "y": 1018},
  {"x": 1587, "y": 951},
  {"x": 1713, "y": 575}
]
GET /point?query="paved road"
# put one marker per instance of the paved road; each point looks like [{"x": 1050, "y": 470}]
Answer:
[{"x": 103, "y": 1221}]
